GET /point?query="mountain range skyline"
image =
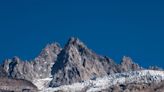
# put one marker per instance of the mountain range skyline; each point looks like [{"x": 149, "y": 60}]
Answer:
[
  {"x": 112, "y": 28},
  {"x": 81, "y": 45},
  {"x": 118, "y": 59},
  {"x": 77, "y": 68}
]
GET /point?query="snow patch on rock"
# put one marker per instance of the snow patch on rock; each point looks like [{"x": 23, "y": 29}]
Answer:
[{"x": 42, "y": 83}]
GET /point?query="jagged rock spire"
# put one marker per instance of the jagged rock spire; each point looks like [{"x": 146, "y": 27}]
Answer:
[
  {"x": 49, "y": 53},
  {"x": 16, "y": 59},
  {"x": 127, "y": 64},
  {"x": 75, "y": 41},
  {"x": 126, "y": 60}
]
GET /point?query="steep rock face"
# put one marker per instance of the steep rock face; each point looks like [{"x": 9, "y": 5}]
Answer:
[
  {"x": 76, "y": 63},
  {"x": 40, "y": 67},
  {"x": 109, "y": 65}
]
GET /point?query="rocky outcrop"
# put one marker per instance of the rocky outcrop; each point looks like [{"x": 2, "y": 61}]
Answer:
[
  {"x": 109, "y": 65},
  {"x": 15, "y": 85},
  {"x": 40, "y": 67},
  {"x": 3, "y": 73},
  {"x": 127, "y": 64}
]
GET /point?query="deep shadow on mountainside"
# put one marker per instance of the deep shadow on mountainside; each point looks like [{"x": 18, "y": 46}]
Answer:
[{"x": 73, "y": 63}]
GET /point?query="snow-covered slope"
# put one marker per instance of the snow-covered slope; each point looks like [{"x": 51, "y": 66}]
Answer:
[
  {"x": 42, "y": 83},
  {"x": 143, "y": 76}
]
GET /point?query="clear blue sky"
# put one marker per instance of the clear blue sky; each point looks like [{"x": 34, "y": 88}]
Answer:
[{"x": 109, "y": 27}]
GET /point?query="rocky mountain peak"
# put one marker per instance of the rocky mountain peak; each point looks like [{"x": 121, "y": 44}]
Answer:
[
  {"x": 126, "y": 60},
  {"x": 75, "y": 42},
  {"x": 76, "y": 63},
  {"x": 16, "y": 59},
  {"x": 40, "y": 67},
  {"x": 76, "y": 47},
  {"x": 49, "y": 52},
  {"x": 127, "y": 64}
]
